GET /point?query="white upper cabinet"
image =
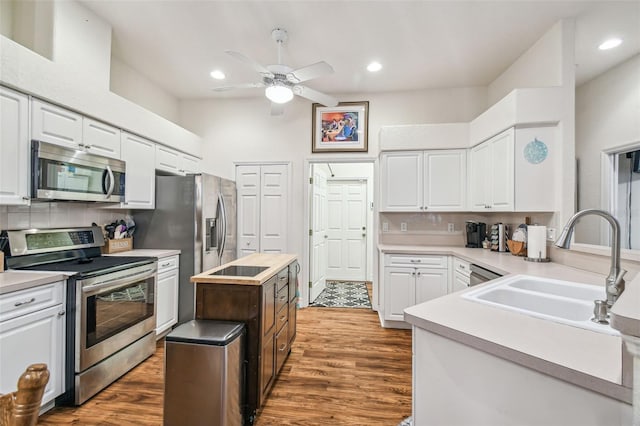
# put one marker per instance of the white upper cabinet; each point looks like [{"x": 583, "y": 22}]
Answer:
[
  {"x": 100, "y": 138},
  {"x": 14, "y": 147},
  {"x": 445, "y": 180},
  {"x": 491, "y": 176},
  {"x": 189, "y": 164},
  {"x": 176, "y": 162},
  {"x": 432, "y": 180},
  {"x": 59, "y": 126},
  {"x": 50, "y": 123},
  {"x": 139, "y": 154},
  {"x": 514, "y": 171},
  {"x": 401, "y": 183}
]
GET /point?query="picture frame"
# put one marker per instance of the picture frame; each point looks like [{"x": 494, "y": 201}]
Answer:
[{"x": 342, "y": 128}]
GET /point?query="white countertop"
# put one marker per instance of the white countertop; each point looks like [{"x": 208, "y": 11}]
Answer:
[
  {"x": 580, "y": 356},
  {"x": 20, "y": 280}
]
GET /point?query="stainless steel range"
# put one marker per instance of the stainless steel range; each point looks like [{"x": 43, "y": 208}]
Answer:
[{"x": 111, "y": 310}]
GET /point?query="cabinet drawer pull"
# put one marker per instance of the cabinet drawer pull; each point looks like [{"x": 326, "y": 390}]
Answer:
[
  {"x": 283, "y": 318},
  {"x": 165, "y": 264},
  {"x": 416, "y": 260},
  {"x": 281, "y": 348},
  {"x": 26, "y": 302},
  {"x": 283, "y": 297},
  {"x": 282, "y": 278}
]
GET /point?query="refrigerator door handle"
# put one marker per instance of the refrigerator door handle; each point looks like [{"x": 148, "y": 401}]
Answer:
[
  {"x": 211, "y": 230},
  {"x": 223, "y": 230}
]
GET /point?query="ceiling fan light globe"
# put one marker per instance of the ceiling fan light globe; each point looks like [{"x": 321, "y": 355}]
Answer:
[{"x": 278, "y": 94}]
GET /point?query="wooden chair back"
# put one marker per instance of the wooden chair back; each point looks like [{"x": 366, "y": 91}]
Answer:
[{"x": 21, "y": 408}]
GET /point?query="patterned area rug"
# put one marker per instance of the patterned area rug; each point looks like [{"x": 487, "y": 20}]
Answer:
[{"x": 343, "y": 294}]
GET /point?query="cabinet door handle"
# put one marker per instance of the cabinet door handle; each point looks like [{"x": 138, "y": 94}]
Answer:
[
  {"x": 61, "y": 313},
  {"x": 413, "y": 274},
  {"x": 282, "y": 298},
  {"x": 25, "y": 302},
  {"x": 282, "y": 318},
  {"x": 283, "y": 278},
  {"x": 281, "y": 348}
]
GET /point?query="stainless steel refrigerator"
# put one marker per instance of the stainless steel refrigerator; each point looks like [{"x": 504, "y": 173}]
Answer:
[{"x": 197, "y": 215}]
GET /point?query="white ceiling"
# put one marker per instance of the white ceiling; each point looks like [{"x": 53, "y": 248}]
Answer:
[{"x": 421, "y": 44}]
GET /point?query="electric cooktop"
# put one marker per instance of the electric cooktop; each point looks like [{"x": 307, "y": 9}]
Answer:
[{"x": 240, "y": 271}]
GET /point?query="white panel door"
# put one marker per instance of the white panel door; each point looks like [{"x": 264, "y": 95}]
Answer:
[
  {"x": 248, "y": 186},
  {"x": 401, "y": 184},
  {"x": 480, "y": 177},
  {"x": 273, "y": 208},
  {"x": 101, "y": 139},
  {"x": 139, "y": 154},
  {"x": 346, "y": 230},
  {"x": 430, "y": 284},
  {"x": 502, "y": 173},
  {"x": 445, "y": 180},
  {"x": 318, "y": 221},
  {"x": 56, "y": 125},
  {"x": 399, "y": 291},
  {"x": 14, "y": 147}
]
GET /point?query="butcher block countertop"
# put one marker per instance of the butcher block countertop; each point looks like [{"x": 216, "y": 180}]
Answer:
[{"x": 275, "y": 263}]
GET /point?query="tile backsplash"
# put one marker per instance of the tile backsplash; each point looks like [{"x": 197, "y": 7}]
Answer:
[
  {"x": 433, "y": 228},
  {"x": 56, "y": 215}
]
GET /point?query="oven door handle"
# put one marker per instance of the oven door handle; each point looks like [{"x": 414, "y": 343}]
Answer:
[{"x": 117, "y": 282}]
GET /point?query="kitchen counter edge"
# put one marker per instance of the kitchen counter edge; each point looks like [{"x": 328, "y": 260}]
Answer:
[
  {"x": 275, "y": 263},
  {"x": 13, "y": 280}
]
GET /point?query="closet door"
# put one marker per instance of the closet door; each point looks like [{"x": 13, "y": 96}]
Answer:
[
  {"x": 273, "y": 208},
  {"x": 248, "y": 186}
]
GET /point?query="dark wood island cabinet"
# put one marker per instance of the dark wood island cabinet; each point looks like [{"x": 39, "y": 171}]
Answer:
[{"x": 266, "y": 303}]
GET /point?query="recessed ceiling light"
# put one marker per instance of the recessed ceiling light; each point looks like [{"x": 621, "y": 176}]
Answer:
[
  {"x": 218, "y": 75},
  {"x": 610, "y": 44},
  {"x": 374, "y": 67}
]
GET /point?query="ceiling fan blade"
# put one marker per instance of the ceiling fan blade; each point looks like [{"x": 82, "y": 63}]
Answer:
[
  {"x": 277, "y": 109},
  {"x": 256, "y": 66},
  {"x": 310, "y": 71},
  {"x": 238, "y": 86},
  {"x": 315, "y": 96}
]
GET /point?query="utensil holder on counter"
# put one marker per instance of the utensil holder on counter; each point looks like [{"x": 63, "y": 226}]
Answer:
[
  {"x": 517, "y": 248},
  {"x": 117, "y": 246}
]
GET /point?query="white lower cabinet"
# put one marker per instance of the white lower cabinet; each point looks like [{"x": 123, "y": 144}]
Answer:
[
  {"x": 32, "y": 330},
  {"x": 167, "y": 294},
  {"x": 409, "y": 280}
]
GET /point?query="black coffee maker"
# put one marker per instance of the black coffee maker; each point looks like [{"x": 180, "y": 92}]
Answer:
[{"x": 476, "y": 233}]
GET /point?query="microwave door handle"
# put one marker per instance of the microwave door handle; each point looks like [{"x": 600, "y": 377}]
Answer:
[
  {"x": 105, "y": 173},
  {"x": 112, "y": 182}
]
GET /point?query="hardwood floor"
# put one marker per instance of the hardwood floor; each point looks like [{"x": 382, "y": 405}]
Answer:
[{"x": 344, "y": 369}]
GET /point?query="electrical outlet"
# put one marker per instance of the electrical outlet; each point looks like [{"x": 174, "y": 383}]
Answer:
[
  {"x": 403, "y": 226},
  {"x": 385, "y": 226},
  {"x": 551, "y": 234},
  {"x": 450, "y": 227}
]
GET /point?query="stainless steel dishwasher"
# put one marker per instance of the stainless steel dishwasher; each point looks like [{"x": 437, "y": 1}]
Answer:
[
  {"x": 480, "y": 275},
  {"x": 204, "y": 374}
]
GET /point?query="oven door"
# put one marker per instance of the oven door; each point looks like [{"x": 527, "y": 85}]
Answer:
[
  {"x": 64, "y": 174},
  {"x": 113, "y": 311}
]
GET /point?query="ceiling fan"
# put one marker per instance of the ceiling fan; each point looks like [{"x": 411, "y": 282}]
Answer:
[{"x": 282, "y": 82}]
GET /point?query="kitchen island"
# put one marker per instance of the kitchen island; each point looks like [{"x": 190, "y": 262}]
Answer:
[{"x": 260, "y": 291}]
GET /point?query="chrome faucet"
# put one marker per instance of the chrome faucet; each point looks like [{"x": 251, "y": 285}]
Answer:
[{"x": 614, "y": 282}]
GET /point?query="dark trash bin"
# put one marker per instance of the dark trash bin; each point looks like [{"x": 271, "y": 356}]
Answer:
[{"x": 204, "y": 374}]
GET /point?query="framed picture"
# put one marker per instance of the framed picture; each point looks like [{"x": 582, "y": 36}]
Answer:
[{"x": 342, "y": 128}]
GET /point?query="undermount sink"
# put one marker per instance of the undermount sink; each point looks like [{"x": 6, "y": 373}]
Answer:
[{"x": 565, "y": 302}]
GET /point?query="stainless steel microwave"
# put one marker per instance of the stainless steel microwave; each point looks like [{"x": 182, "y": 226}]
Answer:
[{"x": 59, "y": 173}]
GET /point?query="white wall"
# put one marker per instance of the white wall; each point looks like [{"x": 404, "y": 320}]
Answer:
[
  {"x": 130, "y": 84},
  {"x": 539, "y": 66},
  {"x": 607, "y": 111}
]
